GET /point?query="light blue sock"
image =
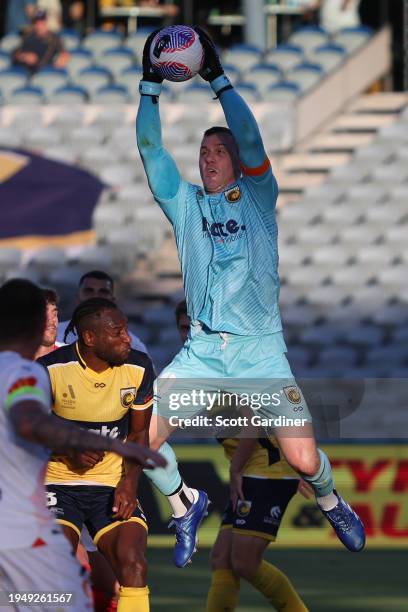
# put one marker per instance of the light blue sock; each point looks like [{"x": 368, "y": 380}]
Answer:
[
  {"x": 167, "y": 479},
  {"x": 322, "y": 481}
]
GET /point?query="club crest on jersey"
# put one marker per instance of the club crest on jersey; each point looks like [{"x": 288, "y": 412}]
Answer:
[
  {"x": 293, "y": 394},
  {"x": 243, "y": 507},
  {"x": 233, "y": 195},
  {"x": 127, "y": 396}
]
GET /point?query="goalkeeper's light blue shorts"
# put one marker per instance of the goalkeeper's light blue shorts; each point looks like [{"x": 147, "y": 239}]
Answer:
[{"x": 250, "y": 365}]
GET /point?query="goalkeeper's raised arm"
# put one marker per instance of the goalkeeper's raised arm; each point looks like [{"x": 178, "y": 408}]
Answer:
[
  {"x": 239, "y": 117},
  {"x": 161, "y": 170}
]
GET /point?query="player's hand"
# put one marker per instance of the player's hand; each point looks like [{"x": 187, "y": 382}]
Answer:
[
  {"x": 211, "y": 66},
  {"x": 236, "y": 492},
  {"x": 142, "y": 455},
  {"x": 149, "y": 73},
  {"x": 85, "y": 460},
  {"x": 124, "y": 501},
  {"x": 305, "y": 489}
]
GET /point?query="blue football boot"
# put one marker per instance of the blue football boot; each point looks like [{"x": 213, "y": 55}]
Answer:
[
  {"x": 186, "y": 530},
  {"x": 347, "y": 525}
]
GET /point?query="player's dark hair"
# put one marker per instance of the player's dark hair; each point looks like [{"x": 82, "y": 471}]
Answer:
[
  {"x": 180, "y": 310},
  {"x": 218, "y": 129},
  {"x": 51, "y": 296},
  {"x": 98, "y": 275},
  {"x": 91, "y": 308},
  {"x": 22, "y": 310}
]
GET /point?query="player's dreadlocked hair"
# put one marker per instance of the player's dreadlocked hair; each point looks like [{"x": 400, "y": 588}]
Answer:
[{"x": 88, "y": 308}]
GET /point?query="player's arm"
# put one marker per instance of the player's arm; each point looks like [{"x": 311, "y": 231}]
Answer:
[
  {"x": 125, "y": 499},
  {"x": 239, "y": 460},
  {"x": 31, "y": 422},
  {"x": 242, "y": 123},
  {"x": 161, "y": 170}
]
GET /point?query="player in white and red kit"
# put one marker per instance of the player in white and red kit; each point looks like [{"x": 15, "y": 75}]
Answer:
[{"x": 34, "y": 554}]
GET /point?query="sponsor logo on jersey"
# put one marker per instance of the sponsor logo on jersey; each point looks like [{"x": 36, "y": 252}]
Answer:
[
  {"x": 99, "y": 385},
  {"x": 293, "y": 394},
  {"x": 68, "y": 399},
  {"x": 127, "y": 396},
  {"x": 108, "y": 432},
  {"x": 243, "y": 507},
  {"x": 226, "y": 232},
  {"x": 233, "y": 195}
]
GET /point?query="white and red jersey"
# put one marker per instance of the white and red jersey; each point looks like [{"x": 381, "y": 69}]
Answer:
[{"x": 24, "y": 516}]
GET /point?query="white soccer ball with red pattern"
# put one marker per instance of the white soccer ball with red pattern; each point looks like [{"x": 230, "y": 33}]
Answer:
[{"x": 176, "y": 53}]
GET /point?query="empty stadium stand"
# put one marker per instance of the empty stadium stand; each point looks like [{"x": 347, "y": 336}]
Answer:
[{"x": 342, "y": 211}]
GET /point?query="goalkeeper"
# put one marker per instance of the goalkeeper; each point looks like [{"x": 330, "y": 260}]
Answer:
[{"x": 226, "y": 236}]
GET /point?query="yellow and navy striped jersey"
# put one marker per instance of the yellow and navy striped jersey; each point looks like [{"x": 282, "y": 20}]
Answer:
[
  {"x": 266, "y": 460},
  {"x": 99, "y": 402}
]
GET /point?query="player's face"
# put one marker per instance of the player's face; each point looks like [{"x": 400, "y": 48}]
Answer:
[
  {"x": 112, "y": 340},
  {"x": 183, "y": 326},
  {"x": 41, "y": 27},
  {"x": 216, "y": 167},
  {"x": 51, "y": 325},
  {"x": 94, "y": 287}
]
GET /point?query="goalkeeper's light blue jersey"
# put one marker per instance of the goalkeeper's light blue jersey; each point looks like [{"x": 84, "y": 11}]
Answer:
[{"x": 227, "y": 242}]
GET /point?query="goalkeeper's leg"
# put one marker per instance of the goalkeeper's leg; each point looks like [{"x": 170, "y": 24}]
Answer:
[{"x": 189, "y": 506}]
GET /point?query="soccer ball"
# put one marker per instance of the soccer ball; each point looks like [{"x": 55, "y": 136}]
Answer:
[{"x": 176, "y": 53}]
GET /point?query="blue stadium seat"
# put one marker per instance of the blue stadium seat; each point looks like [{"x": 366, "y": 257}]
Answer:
[
  {"x": 309, "y": 37},
  {"x": 27, "y": 95},
  {"x": 70, "y": 39},
  {"x": 353, "y": 38},
  {"x": 242, "y": 56},
  {"x": 49, "y": 79},
  {"x": 197, "y": 92},
  {"x": 328, "y": 56},
  {"x": 286, "y": 91},
  {"x": 306, "y": 75},
  {"x": 10, "y": 258},
  {"x": 4, "y": 60},
  {"x": 284, "y": 56},
  {"x": 263, "y": 76},
  {"x": 249, "y": 91},
  {"x": 232, "y": 72},
  {"x": 12, "y": 78},
  {"x": 93, "y": 78},
  {"x": 69, "y": 94},
  {"x": 111, "y": 94},
  {"x": 136, "y": 41},
  {"x": 79, "y": 59},
  {"x": 100, "y": 40},
  {"x": 130, "y": 77},
  {"x": 10, "y": 42},
  {"x": 118, "y": 59}
]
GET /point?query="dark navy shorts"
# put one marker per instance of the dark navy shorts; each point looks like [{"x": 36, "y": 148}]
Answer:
[
  {"x": 262, "y": 510},
  {"x": 78, "y": 505}
]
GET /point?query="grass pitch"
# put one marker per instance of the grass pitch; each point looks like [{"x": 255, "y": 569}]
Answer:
[{"x": 327, "y": 580}]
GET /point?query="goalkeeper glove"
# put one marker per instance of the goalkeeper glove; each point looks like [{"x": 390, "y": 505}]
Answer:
[
  {"x": 211, "y": 66},
  {"x": 151, "y": 83},
  {"x": 149, "y": 73}
]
